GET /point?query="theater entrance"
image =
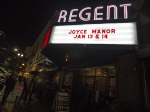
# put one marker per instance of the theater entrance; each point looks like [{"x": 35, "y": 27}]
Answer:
[{"x": 104, "y": 77}]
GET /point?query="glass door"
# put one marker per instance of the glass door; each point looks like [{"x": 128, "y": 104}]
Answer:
[{"x": 105, "y": 78}]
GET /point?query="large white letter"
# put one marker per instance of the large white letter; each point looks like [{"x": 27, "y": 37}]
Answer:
[
  {"x": 125, "y": 10},
  {"x": 88, "y": 14},
  {"x": 115, "y": 12},
  {"x": 62, "y": 16},
  {"x": 96, "y": 14},
  {"x": 70, "y": 17}
]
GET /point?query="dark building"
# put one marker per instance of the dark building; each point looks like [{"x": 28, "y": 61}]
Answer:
[{"x": 4, "y": 48}]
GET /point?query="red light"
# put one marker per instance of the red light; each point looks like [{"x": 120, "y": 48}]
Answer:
[{"x": 47, "y": 37}]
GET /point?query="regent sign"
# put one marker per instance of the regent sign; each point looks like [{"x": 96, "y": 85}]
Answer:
[
  {"x": 97, "y": 14},
  {"x": 106, "y": 33}
]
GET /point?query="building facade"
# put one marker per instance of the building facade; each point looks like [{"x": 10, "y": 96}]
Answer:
[{"x": 120, "y": 70}]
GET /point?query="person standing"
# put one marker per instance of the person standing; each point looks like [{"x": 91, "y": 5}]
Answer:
[
  {"x": 30, "y": 90},
  {"x": 90, "y": 100},
  {"x": 24, "y": 92},
  {"x": 10, "y": 83},
  {"x": 97, "y": 100},
  {"x": 43, "y": 90},
  {"x": 84, "y": 92}
]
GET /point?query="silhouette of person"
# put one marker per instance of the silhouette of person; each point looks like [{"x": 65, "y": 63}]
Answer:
[
  {"x": 24, "y": 83},
  {"x": 10, "y": 83},
  {"x": 97, "y": 99},
  {"x": 30, "y": 90}
]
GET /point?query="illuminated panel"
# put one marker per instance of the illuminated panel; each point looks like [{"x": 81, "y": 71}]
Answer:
[
  {"x": 88, "y": 14},
  {"x": 115, "y": 11},
  {"x": 71, "y": 15},
  {"x": 108, "y": 33},
  {"x": 125, "y": 10},
  {"x": 96, "y": 13},
  {"x": 62, "y": 15},
  {"x": 47, "y": 37}
]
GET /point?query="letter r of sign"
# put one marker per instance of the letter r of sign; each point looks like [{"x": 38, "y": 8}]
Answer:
[{"x": 62, "y": 15}]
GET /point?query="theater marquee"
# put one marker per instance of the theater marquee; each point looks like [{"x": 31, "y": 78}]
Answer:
[
  {"x": 98, "y": 13},
  {"x": 106, "y": 33}
]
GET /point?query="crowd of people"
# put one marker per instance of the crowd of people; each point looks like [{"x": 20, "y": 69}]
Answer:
[
  {"x": 28, "y": 88},
  {"x": 86, "y": 100}
]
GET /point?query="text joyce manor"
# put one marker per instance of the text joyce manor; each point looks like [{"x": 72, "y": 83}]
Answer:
[{"x": 100, "y": 33}]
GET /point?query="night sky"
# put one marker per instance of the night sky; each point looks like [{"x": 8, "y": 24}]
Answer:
[{"x": 23, "y": 21}]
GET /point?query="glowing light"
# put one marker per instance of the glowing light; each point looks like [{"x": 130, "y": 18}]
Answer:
[
  {"x": 72, "y": 18},
  {"x": 16, "y": 49},
  {"x": 21, "y": 55},
  {"x": 71, "y": 15},
  {"x": 47, "y": 37},
  {"x": 66, "y": 59},
  {"x": 96, "y": 13},
  {"x": 125, "y": 10},
  {"x": 88, "y": 14},
  {"x": 62, "y": 15},
  {"x": 106, "y": 33},
  {"x": 115, "y": 11}
]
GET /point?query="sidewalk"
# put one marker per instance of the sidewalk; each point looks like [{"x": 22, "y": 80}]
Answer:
[
  {"x": 11, "y": 106},
  {"x": 8, "y": 106},
  {"x": 34, "y": 106}
]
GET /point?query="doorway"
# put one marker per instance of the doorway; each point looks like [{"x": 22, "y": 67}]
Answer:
[{"x": 105, "y": 78}]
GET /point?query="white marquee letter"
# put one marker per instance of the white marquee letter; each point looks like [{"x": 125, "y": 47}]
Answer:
[
  {"x": 62, "y": 16},
  {"x": 125, "y": 10},
  {"x": 88, "y": 14},
  {"x": 115, "y": 12},
  {"x": 70, "y": 17},
  {"x": 96, "y": 14}
]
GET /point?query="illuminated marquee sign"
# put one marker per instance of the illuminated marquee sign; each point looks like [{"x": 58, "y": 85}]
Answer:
[
  {"x": 97, "y": 14},
  {"x": 107, "y": 33}
]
